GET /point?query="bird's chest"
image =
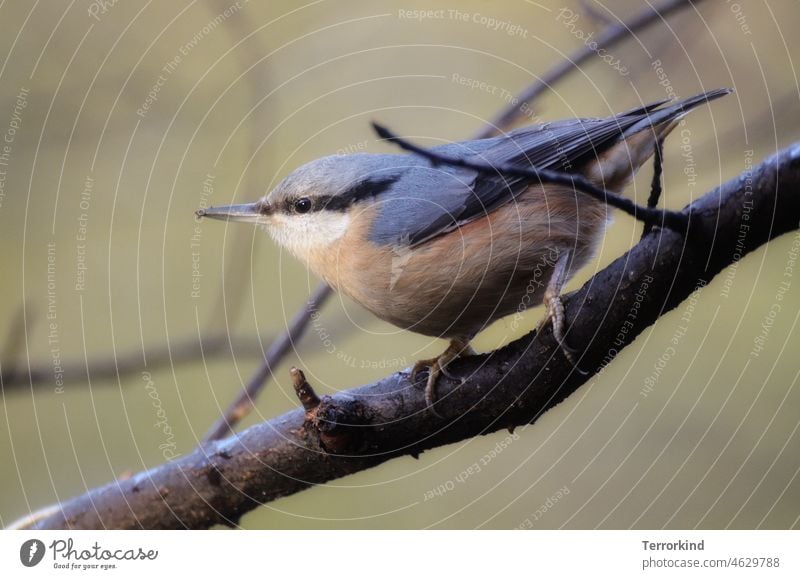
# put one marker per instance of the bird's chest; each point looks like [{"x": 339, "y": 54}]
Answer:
[{"x": 470, "y": 276}]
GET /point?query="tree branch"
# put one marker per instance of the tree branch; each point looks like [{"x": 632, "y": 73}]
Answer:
[{"x": 361, "y": 428}]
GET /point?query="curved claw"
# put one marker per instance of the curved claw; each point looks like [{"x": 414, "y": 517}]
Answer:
[
  {"x": 430, "y": 389},
  {"x": 569, "y": 352},
  {"x": 446, "y": 373},
  {"x": 434, "y": 369},
  {"x": 426, "y": 364},
  {"x": 438, "y": 366}
]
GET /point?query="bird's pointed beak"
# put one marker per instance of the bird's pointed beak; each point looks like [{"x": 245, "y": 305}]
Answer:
[{"x": 257, "y": 212}]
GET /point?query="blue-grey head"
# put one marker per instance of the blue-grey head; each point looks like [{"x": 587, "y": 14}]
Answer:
[
  {"x": 317, "y": 203},
  {"x": 314, "y": 205}
]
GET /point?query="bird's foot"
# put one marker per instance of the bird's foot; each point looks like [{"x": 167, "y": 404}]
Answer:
[
  {"x": 438, "y": 366},
  {"x": 555, "y": 315}
]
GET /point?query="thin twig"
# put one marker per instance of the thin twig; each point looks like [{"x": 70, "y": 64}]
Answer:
[
  {"x": 278, "y": 349},
  {"x": 678, "y": 222},
  {"x": 101, "y": 368},
  {"x": 607, "y": 38},
  {"x": 655, "y": 184},
  {"x": 180, "y": 351},
  {"x": 305, "y": 393}
]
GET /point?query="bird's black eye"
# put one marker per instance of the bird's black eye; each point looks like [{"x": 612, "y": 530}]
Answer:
[{"x": 302, "y": 205}]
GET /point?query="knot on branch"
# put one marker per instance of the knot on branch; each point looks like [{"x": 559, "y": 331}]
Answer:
[{"x": 341, "y": 425}]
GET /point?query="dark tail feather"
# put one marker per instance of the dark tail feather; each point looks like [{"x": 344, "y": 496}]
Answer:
[
  {"x": 662, "y": 115},
  {"x": 645, "y": 109}
]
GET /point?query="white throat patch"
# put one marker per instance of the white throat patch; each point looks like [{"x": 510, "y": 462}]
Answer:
[{"x": 304, "y": 234}]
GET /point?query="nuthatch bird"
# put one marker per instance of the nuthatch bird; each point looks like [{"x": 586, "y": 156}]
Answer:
[{"x": 445, "y": 251}]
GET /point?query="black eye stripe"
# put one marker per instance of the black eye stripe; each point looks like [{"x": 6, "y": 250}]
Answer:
[
  {"x": 360, "y": 191},
  {"x": 363, "y": 190}
]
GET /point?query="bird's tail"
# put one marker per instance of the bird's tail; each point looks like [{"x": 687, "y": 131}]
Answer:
[
  {"x": 655, "y": 118},
  {"x": 614, "y": 168}
]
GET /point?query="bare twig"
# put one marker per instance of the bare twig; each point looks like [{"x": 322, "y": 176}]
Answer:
[
  {"x": 361, "y": 428},
  {"x": 101, "y": 368},
  {"x": 277, "y": 350},
  {"x": 183, "y": 351},
  {"x": 607, "y": 38},
  {"x": 655, "y": 183},
  {"x": 305, "y": 393}
]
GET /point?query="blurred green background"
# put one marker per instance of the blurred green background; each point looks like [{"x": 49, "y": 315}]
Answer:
[{"x": 102, "y": 257}]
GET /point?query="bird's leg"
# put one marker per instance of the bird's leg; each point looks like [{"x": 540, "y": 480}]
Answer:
[
  {"x": 554, "y": 306},
  {"x": 438, "y": 365}
]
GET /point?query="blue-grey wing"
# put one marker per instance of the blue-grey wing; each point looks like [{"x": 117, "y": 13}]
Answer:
[
  {"x": 428, "y": 201},
  {"x": 423, "y": 202},
  {"x": 568, "y": 145},
  {"x": 432, "y": 201}
]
